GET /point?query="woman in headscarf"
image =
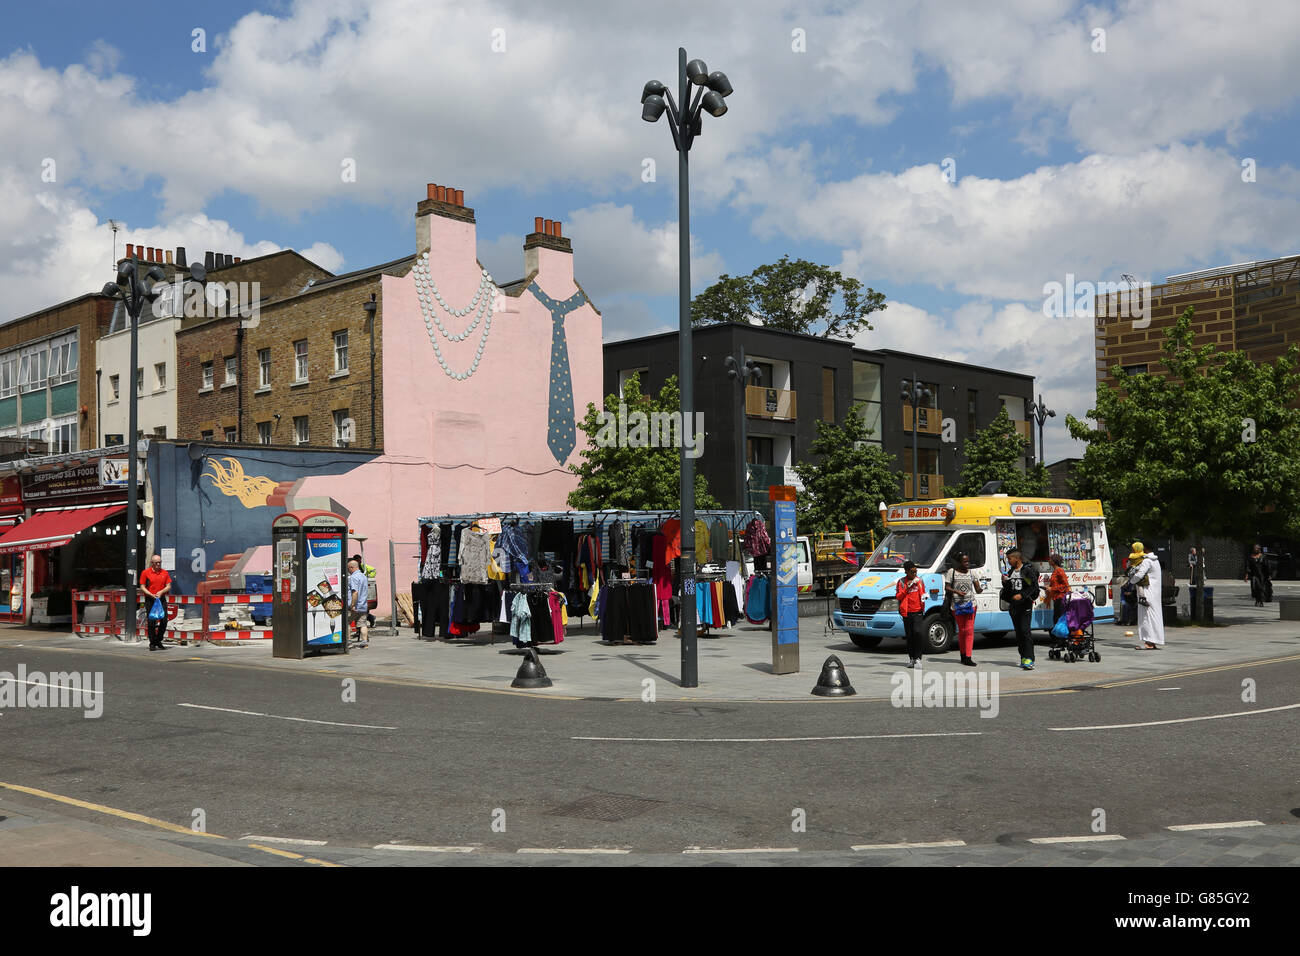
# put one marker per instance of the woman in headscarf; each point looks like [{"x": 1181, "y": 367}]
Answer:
[
  {"x": 1261, "y": 586},
  {"x": 1144, "y": 573}
]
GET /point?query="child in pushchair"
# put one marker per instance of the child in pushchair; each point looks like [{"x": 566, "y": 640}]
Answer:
[{"x": 1079, "y": 641}]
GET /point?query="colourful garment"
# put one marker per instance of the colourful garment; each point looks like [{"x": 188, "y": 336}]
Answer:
[
  {"x": 663, "y": 578},
  {"x": 521, "y": 621}
]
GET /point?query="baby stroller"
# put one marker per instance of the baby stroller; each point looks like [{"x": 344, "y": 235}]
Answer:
[{"x": 1079, "y": 641}]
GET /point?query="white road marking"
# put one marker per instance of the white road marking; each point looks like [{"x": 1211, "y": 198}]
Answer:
[
  {"x": 426, "y": 849},
  {"x": 1168, "y": 688},
  {"x": 37, "y": 683},
  {"x": 589, "y": 850},
  {"x": 1217, "y": 826},
  {"x": 302, "y": 720},
  {"x": 906, "y": 846},
  {"x": 1184, "y": 720},
  {"x": 267, "y": 839},
  {"x": 759, "y": 849},
  {"x": 766, "y": 740},
  {"x": 1094, "y": 838}
]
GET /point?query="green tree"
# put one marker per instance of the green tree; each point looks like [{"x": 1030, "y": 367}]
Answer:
[
  {"x": 994, "y": 453},
  {"x": 848, "y": 480},
  {"x": 793, "y": 296},
  {"x": 1208, "y": 449},
  {"x": 632, "y": 478}
]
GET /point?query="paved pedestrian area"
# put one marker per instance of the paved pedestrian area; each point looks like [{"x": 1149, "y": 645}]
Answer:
[{"x": 736, "y": 663}]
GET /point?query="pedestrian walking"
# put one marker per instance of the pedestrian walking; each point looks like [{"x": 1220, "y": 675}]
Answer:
[
  {"x": 1144, "y": 575},
  {"x": 1058, "y": 587},
  {"x": 370, "y": 573},
  {"x": 1261, "y": 582},
  {"x": 359, "y": 600},
  {"x": 960, "y": 588},
  {"x": 910, "y": 594},
  {"x": 1019, "y": 592},
  {"x": 155, "y": 583}
]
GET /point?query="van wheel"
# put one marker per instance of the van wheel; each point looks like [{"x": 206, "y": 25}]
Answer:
[
  {"x": 865, "y": 641},
  {"x": 939, "y": 636}
]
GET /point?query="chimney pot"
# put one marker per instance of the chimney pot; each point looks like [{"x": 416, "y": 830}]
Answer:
[
  {"x": 460, "y": 197},
  {"x": 180, "y": 257},
  {"x": 230, "y": 259},
  {"x": 148, "y": 254},
  {"x": 547, "y": 226},
  {"x": 442, "y": 194},
  {"x": 237, "y": 258},
  {"x": 556, "y": 233},
  {"x": 209, "y": 260},
  {"x": 433, "y": 191},
  {"x": 169, "y": 256},
  {"x": 130, "y": 250},
  {"x": 537, "y": 224}
]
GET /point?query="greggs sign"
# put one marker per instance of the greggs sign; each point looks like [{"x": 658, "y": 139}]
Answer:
[
  {"x": 1039, "y": 508},
  {"x": 918, "y": 513}
]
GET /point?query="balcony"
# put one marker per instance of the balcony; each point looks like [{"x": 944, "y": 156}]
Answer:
[
  {"x": 1025, "y": 430},
  {"x": 931, "y": 487},
  {"x": 930, "y": 420},
  {"x": 775, "y": 403}
]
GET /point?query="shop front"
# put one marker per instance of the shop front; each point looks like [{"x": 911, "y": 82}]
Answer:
[{"x": 11, "y": 566}]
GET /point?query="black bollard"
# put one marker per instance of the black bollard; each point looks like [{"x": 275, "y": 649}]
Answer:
[
  {"x": 531, "y": 672},
  {"x": 833, "y": 682}
]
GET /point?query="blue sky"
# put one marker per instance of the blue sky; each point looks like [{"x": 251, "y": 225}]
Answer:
[{"x": 1069, "y": 159}]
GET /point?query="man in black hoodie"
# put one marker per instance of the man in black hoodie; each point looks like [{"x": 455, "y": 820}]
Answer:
[{"x": 1020, "y": 591}]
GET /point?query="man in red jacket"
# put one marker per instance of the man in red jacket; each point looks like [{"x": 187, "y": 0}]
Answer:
[
  {"x": 155, "y": 582},
  {"x": 911, "y": 602}
]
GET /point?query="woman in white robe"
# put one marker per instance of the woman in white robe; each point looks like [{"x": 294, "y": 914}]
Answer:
[{"x": 1151, "y": 624}]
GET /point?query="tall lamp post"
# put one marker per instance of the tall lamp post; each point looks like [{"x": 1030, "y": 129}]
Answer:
[
  {"x": 685, "y": 122},
  {"x": 914, "y": 393},
  {"x": 1040, "y": 413},
  {"x": 740, "y": 371},
  {"x": 135, "y": 290}
]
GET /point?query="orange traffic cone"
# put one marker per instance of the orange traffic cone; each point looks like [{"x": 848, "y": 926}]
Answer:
[{"x": 848, "y": 542}]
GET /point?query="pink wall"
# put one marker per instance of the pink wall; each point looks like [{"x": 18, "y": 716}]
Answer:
[{"x": 494, "y": 422}]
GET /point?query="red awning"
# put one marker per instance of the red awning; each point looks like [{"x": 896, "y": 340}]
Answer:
[{"x": 53, "y": 529}]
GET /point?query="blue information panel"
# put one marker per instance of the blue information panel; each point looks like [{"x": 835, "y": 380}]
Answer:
[{"x": 787, "y": 573}]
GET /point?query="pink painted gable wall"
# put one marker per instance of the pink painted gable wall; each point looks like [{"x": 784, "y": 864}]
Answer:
[{"x": 477, "y": 444}]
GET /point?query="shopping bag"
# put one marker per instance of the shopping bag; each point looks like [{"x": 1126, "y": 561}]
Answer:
[
  {"x": 1060, "y": 630},
  {"x": 157, "y": 612}
]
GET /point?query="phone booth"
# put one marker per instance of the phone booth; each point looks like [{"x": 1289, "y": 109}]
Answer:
[{"x": 310, "y": 612}]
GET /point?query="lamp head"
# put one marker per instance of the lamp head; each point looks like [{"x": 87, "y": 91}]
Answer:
[
  {"x": 713, "y": 104},
  {"x": 156, "y": 273},
  {"x": 124, "y": 270},
  {"x": 652, "y": 108},
  {"x": 653, "y": 88},
  {"x": 112, "y": 290},
  {"x": 1051, "y": 413},
  {"x": 697, "y": 72},
  {"x": 719, "y": 83}
]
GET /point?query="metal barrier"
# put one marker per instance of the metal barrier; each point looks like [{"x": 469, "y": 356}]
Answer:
[{"x": 173, "y": 603}]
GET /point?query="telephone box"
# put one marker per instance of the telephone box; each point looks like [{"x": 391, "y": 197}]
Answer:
[{"x": 310, "y": 612}]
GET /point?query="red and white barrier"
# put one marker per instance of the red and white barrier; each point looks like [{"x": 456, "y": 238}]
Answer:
[{"x": 173, "y": 603}]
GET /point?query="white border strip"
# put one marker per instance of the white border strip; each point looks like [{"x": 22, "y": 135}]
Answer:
[
  {"x": 266, "y": 839},
  {"x": 1094, "y": 838},
  {"x": 1184, "y": 720},
  {"x": 769, "y": 740},
  {"x": 758, "y": 849},
  {"x": 1182, "y": 828},
  {"x": 302, "y": 720},
  {"x": 567, "y": 850},
  {"x": 426, "y": 849},
  {"x": 907, "y": 846}
]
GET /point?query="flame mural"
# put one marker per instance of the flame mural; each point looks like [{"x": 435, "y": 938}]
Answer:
[{"x": 251, "y": 490}]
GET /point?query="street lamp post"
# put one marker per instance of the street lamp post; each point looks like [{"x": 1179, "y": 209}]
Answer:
[
  {"x": 740, "y": 371},
  {"x": 913, "y": 393},
  {"x": 134, "y": 291},
  {"x": 685, "y": 122},
  {"x": 1040, "y": 413}
]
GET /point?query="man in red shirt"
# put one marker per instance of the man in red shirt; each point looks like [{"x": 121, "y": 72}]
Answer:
[
  {"x": 155, "y": 582},
  {"x": 910, "y": 593}
]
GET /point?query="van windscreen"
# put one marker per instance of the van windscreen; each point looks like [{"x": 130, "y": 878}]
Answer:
[{"x": 920, "y": 547}]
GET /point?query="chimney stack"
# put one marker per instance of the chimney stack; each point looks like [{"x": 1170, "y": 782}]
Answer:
[
  {"x": 545, "y": 235},
  {"x": 168, "y": 255},
  {"x": 130, "y": 250},
  {"x": 444, "y": 201}
]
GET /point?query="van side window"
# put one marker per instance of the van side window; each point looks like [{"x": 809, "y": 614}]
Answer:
[{"x": 972, "y": 542}]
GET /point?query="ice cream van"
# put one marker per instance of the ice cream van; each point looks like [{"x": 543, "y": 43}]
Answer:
[{"x": 931, "y": 533}]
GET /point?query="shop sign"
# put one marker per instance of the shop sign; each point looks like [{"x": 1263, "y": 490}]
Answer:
[
  {"x": 1039, "y": 508},
  {"x": 79, "y": 480},
  {"x": 114, "y": 473},
  {"x": 918, "y": 513}
]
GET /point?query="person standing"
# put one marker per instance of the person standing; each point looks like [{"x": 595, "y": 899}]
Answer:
[
  {"x": 359, "y": 600},
  {"x": 1144, "y": 574},
  {"x": 155, "y": 583},
  {"x": 911, "y": 602},
  {"x": 1058, "y": 587},
  {"x": 1195, "y": 582},
  {"x": 1020, "y": 591},
  {"x": 1261, "y": 584},
  {"x": 370, "y": 573},
  {"x": 961, "y": 587}
]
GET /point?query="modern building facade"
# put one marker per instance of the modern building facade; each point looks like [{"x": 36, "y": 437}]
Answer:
[{"x": 806, "y": 379}]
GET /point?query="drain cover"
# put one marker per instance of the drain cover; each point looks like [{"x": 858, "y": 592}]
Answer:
[{"x": 608, "y": 807}]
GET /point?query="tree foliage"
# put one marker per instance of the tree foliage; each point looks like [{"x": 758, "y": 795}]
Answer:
[
  {"x": 848, "y": 480},
  {"x": 633, "y": 478},
  {"x": 1208, "y": 449},
  {"x": 994, "y": 453},
  {"x": 792, "y": 296}
]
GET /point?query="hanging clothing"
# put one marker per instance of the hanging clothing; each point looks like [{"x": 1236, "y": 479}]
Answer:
[
  {"x": 515, "y": 542},
  {"x": 719, "y": 539},
  {"x": 736, "y": 582},
  {"x": 757, "y": 542},
  {"x": 556, "y": 536},
  {"x": 619, "y": 545},
  {"x": 521, "y": 621},
  {"x": 595, "y": 598},
  {"x": 432, "y": 566},
  {"x": 663, "y": 578},
  {"x": 556, "y": 602},
  {"x": 757, "y": 603},
  {"x": 730, "y": 603},
  {"x": 474, "y": 554},
  {"x": 701, "y": 543}
]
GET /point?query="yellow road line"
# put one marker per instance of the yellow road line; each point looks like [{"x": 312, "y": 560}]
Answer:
[
  {"x": 312, "y": 859},
  {"x": 271, "y": 849},
  {"x": 100, "y": 808}
]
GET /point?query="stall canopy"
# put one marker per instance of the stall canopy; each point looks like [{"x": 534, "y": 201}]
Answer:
[{"x": 54, "y": 528}]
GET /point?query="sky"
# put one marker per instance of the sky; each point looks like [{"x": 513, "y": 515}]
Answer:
[{"x": 956, "y": 155}]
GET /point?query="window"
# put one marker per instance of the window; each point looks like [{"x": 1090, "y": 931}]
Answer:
[
  {"x": 866, "y": 392},
  {"x": 263, "y": 368},
  {"x": 206, "y": 435},
  {"x": 971, "y": 542},
  {"x": 33, "y": 370},
  {"x": 767, "y": 374},
  {"x": 340, "y": 417},
  {"x": 1134, "y": 369},
  {"x": 264, "y": 432},
  {"x": 760, "y": 451},
  {"x": 63, "y": 359},
  {"x": 971, "y": 420},
  {"x": 230, "y": 434},
  {"x": 139, "y": 381},
  {"x": 63, "y": 437},
  {"x": 341, "y": 351},
  {"x": 9, "y": 375},
  {"x": 626, "y": 373},
  {"x": 160, "y": 431},
  {"x": 300, "y": 360},
  {"x": 828, "y": 394},
  {"x": 207, "y": 374},
  {"x": 300, "y": 433},
  {"x": 114, "y": 381},
  {"x": 230, "y": 370},
  {"x": 160, "y": 375}
]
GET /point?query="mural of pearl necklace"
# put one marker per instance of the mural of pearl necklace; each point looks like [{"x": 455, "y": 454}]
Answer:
[{"x": 480, "y": 305}]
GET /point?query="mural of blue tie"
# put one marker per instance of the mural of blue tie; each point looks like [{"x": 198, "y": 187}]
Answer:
[{"x": 561, "y": 436}]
